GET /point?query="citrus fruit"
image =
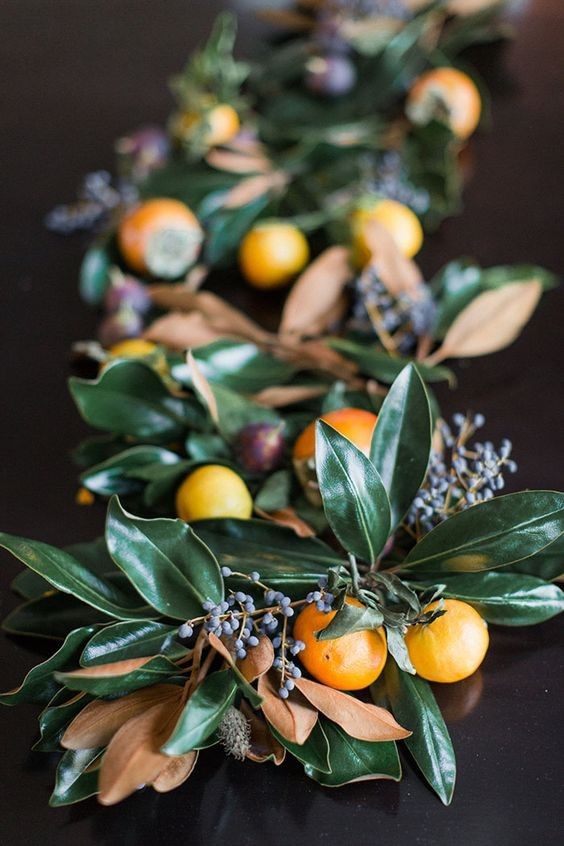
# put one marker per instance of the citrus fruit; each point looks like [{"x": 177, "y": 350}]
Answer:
[
  {"x": 448, "y": 93},
  {"x": 271, "y": 253},
  {"x": 160, "y": 236},
  {"x": 350, "y": 662},
  {"x": 402, "y": 224},
  {"x": 450, "y": 648},
  {"x": 215, "y": 126},
  {"x": 213, "y": 491},
  {"x": 356, "y": 424},
  {"x": 133, "y": 348}
]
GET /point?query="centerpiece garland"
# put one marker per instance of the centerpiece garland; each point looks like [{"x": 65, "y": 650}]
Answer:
[{"x": 221, "y": 627}]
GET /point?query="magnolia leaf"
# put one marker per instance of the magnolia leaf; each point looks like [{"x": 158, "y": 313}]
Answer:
[
  {"x": 287, "y": 517},
  {"x": 263, "y": 745},
  {"x": 399, "y": 274},
  {"x": 247, "y": 689},
  {"x": 202, "y": 713},
  {"x": 351, "y": 618},
  {"x": 202, "y": 388},
  {"x": 490, "y": 322},
  {"x": 286, "y": 18},
  {"x": 293, "y": 718},
  {"x": 179, "y": 331},
  {"x": 115, "y": 475},
  {"x": 106, "y": 679},
  {"x": 258, "y": 660},
  {"x": 353, "y": 760},
  {"x": 55, "y": 718},
  {"x": 77, "y": 777},
  {"x": 237, "y": 162},
  {"x": 248, "y": 190},
  {"x": 314, "y": 752},
  {"x": 359, "y": 719},
  {"x": 97, "y": 723},
  {"x": 175, "y": 772},
  {"x": 398, "y": 650},
  {"x": 278, "y": 396},
  {"x": 316, "y": 299},
  {"x": 132, "y": 640}
]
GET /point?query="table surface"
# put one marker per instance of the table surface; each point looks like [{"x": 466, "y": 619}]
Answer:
[{"x": 76, "y": 74}]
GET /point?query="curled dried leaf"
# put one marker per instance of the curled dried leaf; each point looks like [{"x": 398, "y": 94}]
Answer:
[
  {"x": 293, "y": 717},
  {"x": 263, "y": 746},
  {"x": 175, "y": 772},
  {"x": 317, "y": 297},
  {"x": 359, "y": 719},
  {"x": 490, "y": 322},
  {"x": 287, "y": 517},
  {"x": 280, "y": 395},
  {"x": 203, "y": 389},
  {"x": 258, "y": 661},
  {"x": 237, "y": 162},
  {"x": 399, "y": 274}
]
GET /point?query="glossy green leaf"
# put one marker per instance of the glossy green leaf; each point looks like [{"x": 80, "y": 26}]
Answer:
[
  {"x": 202, "y": 713},
  {"x": 166, "y": 561},
  {"x": 203, "y": 446},
  {"x": 96, "y": 681},
  {"x": 313, "y": 753},
  {"x": 117, "y": 474},
  {"x": 413, "y": 705},
  {"x": 239, "y": 365},
  {"x": 401, "y": 443},
  {"x": 40, "y": 684},
  {"x": 77, "y": 777},
  {"x": 491, "y": 534},
  {"x": 355, "y": 760},
  {"x": 94, "y": 279},
  {"x": 351, "y": 618},
  {"x": 236, "y": 412},
  {"x": 67, "y": 574},
  {"x": 275, "y": 492},
  {"x": 130, "y": 398},
  {"x": 509, "y": 599},
  {"x": 55, "y": 718},
  {"x": 383, "y": 367},
  {"x": 52, "y": 616},
  {"x": 132, "y": 640},
  {"x": 354, "y": 499},
  {"x": 548, "y": 564},
  {"x": 398, "y": 649}
]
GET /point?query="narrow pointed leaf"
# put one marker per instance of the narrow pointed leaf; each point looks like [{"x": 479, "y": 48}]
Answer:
[
  {"x": 202, "y": 713},
  {"x": 77, "y": 777},
  {"x": 132, "y": 640}
]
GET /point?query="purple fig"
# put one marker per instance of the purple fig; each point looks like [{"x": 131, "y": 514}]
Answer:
[
  {"x": 127, "y": 292},
  {"x": 122, "y": 324},
  {"x": 330, "y": 76},
  {"x": 259, "y": 447}
]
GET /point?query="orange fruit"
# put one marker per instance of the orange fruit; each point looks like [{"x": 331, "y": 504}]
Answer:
[
  {"x": 215, "y": 126},
  {"x": 271, "y": 253},
  {"x": 351, "y": 662},
  {"x": 402, "y": 224},
  {"x": 445, "y": 90},
  {"x": 356, "y": 424},
  {"x": 213, "y": 491},
  {"x": 450, "y": 648},
  {"x": 160, "y": 236}
]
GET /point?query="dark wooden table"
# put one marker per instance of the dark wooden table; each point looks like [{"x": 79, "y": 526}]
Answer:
[{"x": 75, "y": 74}]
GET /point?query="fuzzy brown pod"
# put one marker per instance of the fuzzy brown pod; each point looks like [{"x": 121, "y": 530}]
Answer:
[
  {"x": 263, "y": 746},
  {"x": 287, "y": 517},
  {"x": 234, "y": 162},
  {"x": 490, "y": 322},
  {"x": 293, "y": 717},
  {"x": 258, "y": 660},
  {"x": 133, "y": 757},
  {"x": 280, "y": 395},
  {"x": 253, "y": 187},
  {"x": 359, "y": 719},
  {"x": 202, "y": 388},
  {"x": 317, "y": 297},
  {"x": 175, "y": 772},
  {"x": 399, "y": 274},
  {"x": 97, "y": 723}
]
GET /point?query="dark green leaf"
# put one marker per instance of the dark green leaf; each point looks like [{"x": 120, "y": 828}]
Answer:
[
  {"x": 355, "y": 760},
  {"x": 491, "y": 534},
  {"x": 77, "y": 777},
  {"x": 56, "y": 717},
  {"x": 203, "y": 713},
  {"x": 548, "y": 564},
  {"x": 235, "y": 412},
  {"x": 166, "y": 561},
  {"x": 117, "y": 474},
  {"x": 355, "y": 501},
  {"x": 351, "y": 618},
  {"x": 122, "y": 680},
  {"x": 132, "y": 640},
  {"x": 239, "y": 365},
  {"x": 52, "y": 616},
  {"x": 401, "y": 443},
  {"x": 203, "y": 446},
  {"x": 313, "y": 753},
  {"x": 383, "y": 367},
  {"x": 275, "y": 493},
  {"x": 398, "y": 649},
  {"x": 94, "y": 277}
]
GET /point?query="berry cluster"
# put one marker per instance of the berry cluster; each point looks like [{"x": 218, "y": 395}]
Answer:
[
  {"x": 97, "y": 197},
  {"x": 459, "y": 475},
  {"x": 391, "y": 181}
]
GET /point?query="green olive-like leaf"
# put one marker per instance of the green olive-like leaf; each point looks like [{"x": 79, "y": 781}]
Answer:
[
  {"x": 383, "y": 367},
  {"x": 355, "y": 760},
  {"x": 351, "y": 618},
  {"x": 77, "y": 776},
  {"x": 202, "y": 713},
  {"x": 131, "y": 640}
]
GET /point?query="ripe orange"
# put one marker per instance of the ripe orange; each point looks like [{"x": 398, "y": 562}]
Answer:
[
  {"x": 351, "y": 662},
  {"x": 160, "y": 236},
  {"x": 445, "y": 90},
  {"x": 215, "y": 126},
  {"x": 213, "y": 491},
  {"x": 402, "y": 224},
  {"x": 356, "y": 424},
  {"x": 450, "y": 648},
  {"x": 271, "y": 253}
]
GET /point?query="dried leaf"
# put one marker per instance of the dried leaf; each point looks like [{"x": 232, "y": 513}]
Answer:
[
  {"x": 263, "y": 744},
  {"x": 316, "y": 355},
  {"x": 202, "y": 388},
  {"x": 221, "y": 648},
  {"x": 237, "y": 162},
  {"x": 316, "y": 299},
  {"x": 114, "y": 669},
  {"x": 490, "y": 322},
  {"x": 280, "y": 395},
  {"x": 97, "y": 723},
  {"x": 179, "y": 331},
  {"x": 286, "y": 19},
  {"x": 251, "y": 189},
  {"x": 399, "y": 274},
  {"x": 258, "y": 661},
  {"x": 175, "y": 773},
  {"x": 293, "y": 717},
  {"x": 359, "y": 719},
  {"x": 196, "y": 277},
  {"x": 133, "y": 757},
  {"x": 287, "y": 517},
  {"x": 470, "y": 7}
]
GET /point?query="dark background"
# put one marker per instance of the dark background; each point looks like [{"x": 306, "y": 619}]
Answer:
[{"x": 76, "y": 74}]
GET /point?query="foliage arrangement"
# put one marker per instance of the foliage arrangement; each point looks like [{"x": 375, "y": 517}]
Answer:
[{"x": 296, "y": 542}]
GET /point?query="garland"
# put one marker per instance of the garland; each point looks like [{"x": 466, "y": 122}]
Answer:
[{"x": 221, "y": 626}]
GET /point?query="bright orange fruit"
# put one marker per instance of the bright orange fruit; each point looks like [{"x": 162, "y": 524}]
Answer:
[
  {"x": 356, "y": 424},
  {"x": 272, "y": 253},
  {"x": 445, "y": 90}
]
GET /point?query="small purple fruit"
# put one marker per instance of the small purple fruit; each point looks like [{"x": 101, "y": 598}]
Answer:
[
  {"x": 127, "y": 292},
  {"x": 122, "y": 324},
  {"x": 260, "y": 446},
  {"x": 330, "y": 76}
]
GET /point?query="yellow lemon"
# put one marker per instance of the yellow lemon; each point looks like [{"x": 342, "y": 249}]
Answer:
[
  {"x": 402, "y": 224},
  {"x": 213, "y": 491}
]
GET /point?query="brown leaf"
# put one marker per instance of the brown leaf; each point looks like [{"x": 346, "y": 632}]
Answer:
[
  {"x": 202, "y": 388},
  {"x": 278, "y": 396},
  {"x": 490, "y": 322},
  {"x": 399, "y": 274},
  {"x": 287, "y": 517},
  {"x": 358, "y": 719},
  {"x": 263, "y": 744},
  {"x": 237, "y": 162},
  {"x": 258, "y": 661},
  {"x": 317, "y": 355},
  {"x": 470, "y": 7},
  {"x": 175, "y": 773},
  {"x": 179, "y": 331},
  {"x": 252, "y": 188},
  {"x": 316, "y": 299},
  {"x": 286, "y": 19},
  {"x": 97, "y": 723},
  {"x": 133, "y": 757},
  {"x": 221, "y": 648},
  {"x": 114, "y": 669},
  {"x": 293, "y": 717}
]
